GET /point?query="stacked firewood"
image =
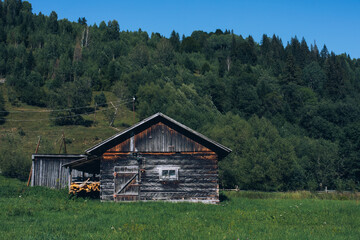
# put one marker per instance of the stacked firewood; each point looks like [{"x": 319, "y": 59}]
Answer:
[{"x": 84, "y": 187}]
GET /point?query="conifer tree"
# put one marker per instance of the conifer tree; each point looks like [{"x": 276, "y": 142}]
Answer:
[{"x": 175, "y": 40}]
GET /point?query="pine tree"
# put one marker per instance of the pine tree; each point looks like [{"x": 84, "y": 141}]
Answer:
[
  {"x": 265, "y": 49},
  {"x": 175, "y": 40},
  {"x": 324, "y": 52},
  {"x": 334, "y": 85},
  {"x": 314, "y": 52},
  {"x": 304, "y": 53},
  {"x": 277, "y": 48},
  {"x": 52, "y": 23},
  {"x": 291, "y": 70}
]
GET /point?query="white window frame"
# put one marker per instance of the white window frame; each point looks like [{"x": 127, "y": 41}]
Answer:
[{"x": 168, "y": 178}]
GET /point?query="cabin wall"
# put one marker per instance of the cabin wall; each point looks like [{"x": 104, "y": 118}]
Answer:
[
  {"x": 197, "y": 176},
  {"x": 48, "y": 172}
]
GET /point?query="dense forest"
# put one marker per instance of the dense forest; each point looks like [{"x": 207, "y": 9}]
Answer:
[{"x": 288, "y": 111}]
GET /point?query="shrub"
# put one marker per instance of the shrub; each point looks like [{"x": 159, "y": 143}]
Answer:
[
  {"x": 100, "y": 100},
  {"x": 13, "y": 162}
]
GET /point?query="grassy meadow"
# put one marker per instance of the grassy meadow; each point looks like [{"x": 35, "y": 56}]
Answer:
[
  {"x": 40, "y": 213},
  {"x": 34, "y": 122}
]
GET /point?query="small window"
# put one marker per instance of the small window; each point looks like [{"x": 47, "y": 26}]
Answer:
[{"x": 169, "y": 174}]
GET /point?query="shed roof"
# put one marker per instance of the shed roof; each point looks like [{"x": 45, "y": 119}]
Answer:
[
  {"x": 103, "y": 146},
  {"x": 58, "y": 156},
  {"x": 89, "y": 165}
]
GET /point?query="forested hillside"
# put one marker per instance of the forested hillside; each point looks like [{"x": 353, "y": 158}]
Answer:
[{"x": 288, "y": 111}]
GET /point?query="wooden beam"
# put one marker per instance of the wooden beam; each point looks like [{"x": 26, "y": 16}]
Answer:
[
  {"x": 69, "y": 178},
  {"x": 40, "y": 173},
  {"x": 127, "y": 183},
  {"x": 32, "y": 165},
  {"x": 32, "y": 173}
]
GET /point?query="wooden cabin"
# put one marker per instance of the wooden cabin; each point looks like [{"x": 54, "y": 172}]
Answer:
[{"x": 156, "y": 159}]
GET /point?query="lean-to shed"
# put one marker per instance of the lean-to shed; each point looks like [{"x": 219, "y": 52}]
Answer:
[
  {"x": 156, "y": 159},
  {"x": 47, "y": 170}
]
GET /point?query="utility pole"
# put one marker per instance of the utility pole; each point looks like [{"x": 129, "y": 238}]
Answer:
[
  {"x": 112, "y": 121},
  {"x": 95, "y": 114},
  {"x": 134, "y": 109},
  {"x": 63, "y": 142},
  {"x": 64, "y": 139}
]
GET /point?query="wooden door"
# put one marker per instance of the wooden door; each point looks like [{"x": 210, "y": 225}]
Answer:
[{"x": 126, "y": 183}]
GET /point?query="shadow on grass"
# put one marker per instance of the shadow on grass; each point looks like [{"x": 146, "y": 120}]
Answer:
[
  {"x": 85, "y": 195},
  {"x": 223, "y": 197}
]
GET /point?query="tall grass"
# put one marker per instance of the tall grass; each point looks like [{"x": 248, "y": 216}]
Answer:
[
  {"x": 295, "y": 195},
  {"x": 39, "y": 213}
]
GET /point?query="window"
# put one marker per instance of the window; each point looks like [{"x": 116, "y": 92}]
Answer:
[{"x": 169, "y": 173}]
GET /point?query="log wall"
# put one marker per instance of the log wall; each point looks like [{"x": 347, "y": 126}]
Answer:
[{"x": 198, "y": 176}]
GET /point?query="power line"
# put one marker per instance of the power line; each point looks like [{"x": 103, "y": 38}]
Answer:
[
  {"x": 55, "y": 118},
  {"x": 65, "y": 109},
  {"x": 29, "y": 131}
]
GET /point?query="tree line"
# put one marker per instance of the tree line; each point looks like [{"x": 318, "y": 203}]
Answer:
[{"x": 289, "y": 111}]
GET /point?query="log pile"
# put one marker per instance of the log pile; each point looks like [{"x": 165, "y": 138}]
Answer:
[{"x": 84, "y": 187}]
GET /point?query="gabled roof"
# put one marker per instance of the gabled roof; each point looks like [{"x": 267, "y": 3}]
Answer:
[{"x": 103, "y": 146}]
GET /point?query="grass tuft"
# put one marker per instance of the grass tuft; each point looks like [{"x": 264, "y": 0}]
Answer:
[{"x": 296, "y": 195}]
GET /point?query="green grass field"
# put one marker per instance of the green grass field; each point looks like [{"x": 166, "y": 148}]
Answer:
[{"x": 40, "y": 213}]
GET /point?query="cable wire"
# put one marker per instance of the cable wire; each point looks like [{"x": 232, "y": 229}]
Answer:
[
  {"x": 65, "y": 109},
  {"x": 55, "y": 118}
]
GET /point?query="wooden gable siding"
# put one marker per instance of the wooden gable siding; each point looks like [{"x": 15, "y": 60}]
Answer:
[
  {"x": 159, "y": 138},
  {"x": 198, "y": 176}
]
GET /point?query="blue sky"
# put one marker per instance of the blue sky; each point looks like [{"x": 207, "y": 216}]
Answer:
[{"x": 333, "y": 22}]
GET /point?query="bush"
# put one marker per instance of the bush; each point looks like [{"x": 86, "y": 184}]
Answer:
[
  {"x": 63, "y": 118},
  {"x": 3, "y": 112},
  {"x": 100, "y": 100},
  {"x": 12, "y": 97},
  {"x": 13, "y": 162}
]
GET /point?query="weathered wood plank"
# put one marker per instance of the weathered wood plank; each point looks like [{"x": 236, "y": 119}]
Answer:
[
  {"x": 158, "y": 138},
  {"x": 105, "y": 198},
  {"x": 107, "y": 192},
  {"x": 41, "y": 174},
  {"x": 184, "y": 173},
  {"x": 175, "y": 195},
  {"x": 179, "y": 189},
  {"x": 107, "y": 181}
]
